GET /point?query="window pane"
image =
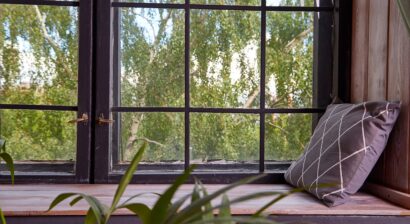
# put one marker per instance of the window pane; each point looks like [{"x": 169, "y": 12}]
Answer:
[
  {"x": 290, "y": 3},
  {"x": 289, "y": 59},
  {"x": 225, "y": 58},
  {"x": 152, "y": 57},
  {"x": 38, "y": 55},
  {"x": 163, "y": 131},
  {"x": 39, "y": 135},
  {"x": 286, "y": 136},
  {"x": 224, "y": 139},
  {"x": 227, "y": 2}
]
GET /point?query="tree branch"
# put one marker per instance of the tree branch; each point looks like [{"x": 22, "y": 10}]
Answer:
[
  {"x": 46, "y": 36},
  {"x": 298, "y": 38}
]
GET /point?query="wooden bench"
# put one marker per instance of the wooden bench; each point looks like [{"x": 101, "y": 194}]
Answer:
[{"x": 28, "y": 203}]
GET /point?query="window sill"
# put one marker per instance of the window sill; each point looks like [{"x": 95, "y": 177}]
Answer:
[{"x": 33, "y": 200}]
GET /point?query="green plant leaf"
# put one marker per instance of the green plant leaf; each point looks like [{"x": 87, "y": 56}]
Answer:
[
  {"x": 210, "y": 209},
  {"x": 75, "y": 200},
  {"x": 126, "y": 178},
  {"x": 225, "y": 210},
  {"x": 99, "y": 210},
  {"x": 90, "y": 217},
  {"x": 195, "y": 196},
  {"x": 2, "y": 145},
  {"x": 10, "y": 164},
  {"x": 208, "y": 206},
  {"x": 2, "y": 218},
  {"x": 136, "y": 196},
  {"x": 173, "y": 210},
  {"x": 96, "y": 206},
  {"x": 141, "y": 210},
  {"x": 159, "y": 211},
  {"x": 187, "y": 213},
  {"x": 59, "y": 199}
]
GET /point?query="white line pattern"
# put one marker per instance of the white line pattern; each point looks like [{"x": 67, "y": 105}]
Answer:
[{"x": 335, "y": 118}]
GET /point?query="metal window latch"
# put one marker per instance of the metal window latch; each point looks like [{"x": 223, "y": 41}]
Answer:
[
  {"x": 101, "y": 120},
  {"x": 82, "y": 119}
]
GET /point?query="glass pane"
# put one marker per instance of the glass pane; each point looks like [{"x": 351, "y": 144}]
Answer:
[
  {"x": 39, "y": 135},
  {"x": 289, "y": 59},
  {"x": 225, "y": 56},
  {"x": 38, "y": 55},
  {"x": 224, "y": 139},
  {"x": 286, "y": 136},
  {"x": 309, "y": 3},
  {"x": 153, "y": 1},
  {"x": 152, "y": 57},
  {"x": 227, "y": 2},
  {"x": 163, "y": 131}
]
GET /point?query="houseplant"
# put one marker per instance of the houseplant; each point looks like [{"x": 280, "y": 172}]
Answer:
[{"x": 199, "y": 210}]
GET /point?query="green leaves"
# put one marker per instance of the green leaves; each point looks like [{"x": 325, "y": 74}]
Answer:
[
  {"x": 199, "y": 210},
  {"x": 2, "y": 218},
  {"x": 125, "y": 180},
  {"x": 100, "y": 213},
  {"x": 159, "y": 211},
  {"x": 7, "y": 158}
]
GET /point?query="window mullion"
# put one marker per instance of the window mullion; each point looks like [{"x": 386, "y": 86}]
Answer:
[
  {"x": 262, "y": 90},
  {"x": 187, "y": 83}
]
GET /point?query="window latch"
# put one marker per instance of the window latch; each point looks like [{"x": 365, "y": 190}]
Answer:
[
  {"x": 82, "y": 119},
  {"x": 101, "y": 120}
]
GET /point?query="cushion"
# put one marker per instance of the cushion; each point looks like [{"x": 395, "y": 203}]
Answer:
[{"x": 345, "y": 146}]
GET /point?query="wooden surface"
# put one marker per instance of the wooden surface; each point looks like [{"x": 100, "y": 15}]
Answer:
[
  {"x": 397, "y": 154},
  {"x": 378, "y": 33},
  {"x": 381, "y": 71},
  {"x": 398, "y": 197},
  {"x": 360, "y": 50},
  {"x": 25, "y": 200}
]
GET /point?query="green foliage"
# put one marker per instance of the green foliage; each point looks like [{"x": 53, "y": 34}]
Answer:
[
  {"x": 39, "y": 63},
  {"x": 165, "y": 211},
  {"x": 7, "y": 158}
]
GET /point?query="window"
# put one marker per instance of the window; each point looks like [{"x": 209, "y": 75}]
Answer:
[
  {"x": 233, "y": 86},
  {"x": 43, "y": 85}
]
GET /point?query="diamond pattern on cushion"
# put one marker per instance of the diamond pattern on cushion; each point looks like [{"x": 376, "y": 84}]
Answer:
[{"x": 343, "y": 149}]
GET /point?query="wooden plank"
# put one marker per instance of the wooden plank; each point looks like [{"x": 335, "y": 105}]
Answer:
[
  {"x": 397, "y": 197},
  {"x": 360, "y": 50},
  {"x": 29, "y": 200},
  {"x": 397, "y": 151},
  {"x": 378, "y": 39}
]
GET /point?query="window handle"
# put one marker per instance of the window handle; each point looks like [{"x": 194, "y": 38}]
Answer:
[
  {"x": 82, "y": 119},
  {"x": 101, "y": 120}
]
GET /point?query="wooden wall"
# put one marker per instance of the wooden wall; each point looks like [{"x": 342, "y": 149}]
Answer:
[{"x": 381, "y": 71}]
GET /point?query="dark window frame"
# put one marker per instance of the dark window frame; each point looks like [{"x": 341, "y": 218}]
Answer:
[
  {"x": 94, "y": 157},
  {"x": 104, "y": 169},
  {"x": 63, "y": 172}
]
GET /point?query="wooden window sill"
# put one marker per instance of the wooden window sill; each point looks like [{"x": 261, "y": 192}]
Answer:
[{"x": 33, "y": 200}]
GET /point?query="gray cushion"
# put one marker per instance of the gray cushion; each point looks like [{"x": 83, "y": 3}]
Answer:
[{"x": 343, "y": 149}]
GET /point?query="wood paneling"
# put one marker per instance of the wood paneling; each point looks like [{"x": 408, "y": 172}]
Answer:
[
  {"x": 360, "y": 48},
  {"x": 22, "y": 200},
  {"x": 394, "y": 196},
  {"x": 380, "y": 71},
  {"x": 377, "y": 56},
  {"x": 397, "y": 152}
]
